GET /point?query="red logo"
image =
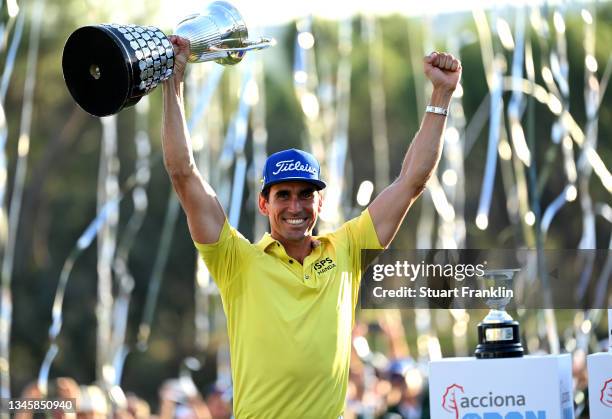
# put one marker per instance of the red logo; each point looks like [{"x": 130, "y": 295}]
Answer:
[
  {"x": 449, "y": 399},
  {"x": 606, "y": 394}
]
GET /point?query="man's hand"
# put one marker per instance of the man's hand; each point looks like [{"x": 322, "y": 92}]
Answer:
[
  {"x": 181, "y": 53},
  {"x": 443, "y": 70}
]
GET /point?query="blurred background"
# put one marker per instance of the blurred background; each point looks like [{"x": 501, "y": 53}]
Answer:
[{"x": 100, "y": 281}]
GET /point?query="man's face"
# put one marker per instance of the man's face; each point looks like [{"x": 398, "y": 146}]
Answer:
[{"x": 292, "y": 208}]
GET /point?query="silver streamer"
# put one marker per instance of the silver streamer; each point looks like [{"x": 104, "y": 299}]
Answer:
[
  {"x": 23, "y": 147},
  {"x": 108, "y": 191},
  {"x": 484, "y": 205},
  {"x": 559, "y": 70},
  {"x": 238, "y": 129},
  {"x": 592, "y": 102},
  {"x": 332, "y": 211},
  {"x": 124, "y": 278},
  {"x": 161, "y": 257},
  {"x": 380, "y": 140},
  {"x": 593, "y": 93},
  {"x": 515, "y": 154},
  {"x": 10, "y": 56},
  {"x": 493, "y": 71},
  {"x": 82, "y": 243},
  {"x": 517, "y": 189},
  {"x": 476, "y": 124},
  {"x": 260, "y": 139},
  {"x": 452, "y": 233},
  {"x": 547, "y": 321},
  {"x": 306, "y": 84},
  {"x": 227, "y": 157},
  {"x": 6, "y": 303}
]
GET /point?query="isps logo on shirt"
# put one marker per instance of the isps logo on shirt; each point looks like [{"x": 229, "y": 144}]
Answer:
[{"x": 324, "y": 265}]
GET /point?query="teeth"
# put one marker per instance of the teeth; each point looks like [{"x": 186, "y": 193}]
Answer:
[{"x": 295, "y": 220}]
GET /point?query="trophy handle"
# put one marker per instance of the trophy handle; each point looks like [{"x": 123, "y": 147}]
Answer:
[{"x": 248, "y": 45}]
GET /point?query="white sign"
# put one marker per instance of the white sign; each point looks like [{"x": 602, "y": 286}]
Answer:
[
  {"x": 532, "y": 387},
  {"x": 600, "y": 385}
]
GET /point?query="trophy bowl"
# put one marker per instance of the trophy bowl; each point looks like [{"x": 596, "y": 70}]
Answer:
[{"x": 498, "y": 333}]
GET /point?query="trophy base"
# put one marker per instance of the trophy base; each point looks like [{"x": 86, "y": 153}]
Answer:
[{"x": 499, "y": 340}]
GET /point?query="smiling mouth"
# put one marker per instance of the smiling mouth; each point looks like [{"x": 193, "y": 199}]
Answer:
[{"x": 295, "y": 221}]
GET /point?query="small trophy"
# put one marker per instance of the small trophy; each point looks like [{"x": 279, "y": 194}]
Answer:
[
  {"x": 109, "y": 67},
  {"x": 498, "y": 333}
]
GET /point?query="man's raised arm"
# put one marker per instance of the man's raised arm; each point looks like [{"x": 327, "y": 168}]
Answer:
[
  {"x": 205, "y": 215},
  {"x": 391, "y": 205}
]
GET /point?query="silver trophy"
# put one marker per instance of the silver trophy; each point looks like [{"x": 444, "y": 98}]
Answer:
[
  {"x": 108, "y": 67},
  {"x": 498, "y": 333}
]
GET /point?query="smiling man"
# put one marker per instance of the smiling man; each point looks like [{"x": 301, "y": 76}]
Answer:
[{"x": 290, "y": 298}]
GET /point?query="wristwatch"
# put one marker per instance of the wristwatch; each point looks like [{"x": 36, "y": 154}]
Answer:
[{"x": 436, "y": 110}]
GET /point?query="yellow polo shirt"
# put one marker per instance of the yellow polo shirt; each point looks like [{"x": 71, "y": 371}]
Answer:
[{"x": 289, "y": 325}]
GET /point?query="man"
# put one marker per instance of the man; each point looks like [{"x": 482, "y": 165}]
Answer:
[{"x": 290, "y": 298}]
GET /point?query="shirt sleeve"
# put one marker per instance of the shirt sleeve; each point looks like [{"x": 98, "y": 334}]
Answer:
[
  {"x": 225, "y": 258},
  {"x": 359, "y": 234}
]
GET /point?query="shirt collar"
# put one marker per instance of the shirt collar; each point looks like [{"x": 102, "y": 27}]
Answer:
[
  {"x": 268, "y": 240},
  {"x": 265, "y": 241}
]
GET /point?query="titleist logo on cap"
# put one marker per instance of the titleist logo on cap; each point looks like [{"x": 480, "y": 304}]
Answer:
[{"x": 286, "y": 165}]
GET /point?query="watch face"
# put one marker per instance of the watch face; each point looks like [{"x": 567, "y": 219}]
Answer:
[{"x": 437, "y": 110}]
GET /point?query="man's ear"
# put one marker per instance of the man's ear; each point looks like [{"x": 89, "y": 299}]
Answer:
[
  {"x": 262, "y": 204},
  {"x": 320, "y": 192}
]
